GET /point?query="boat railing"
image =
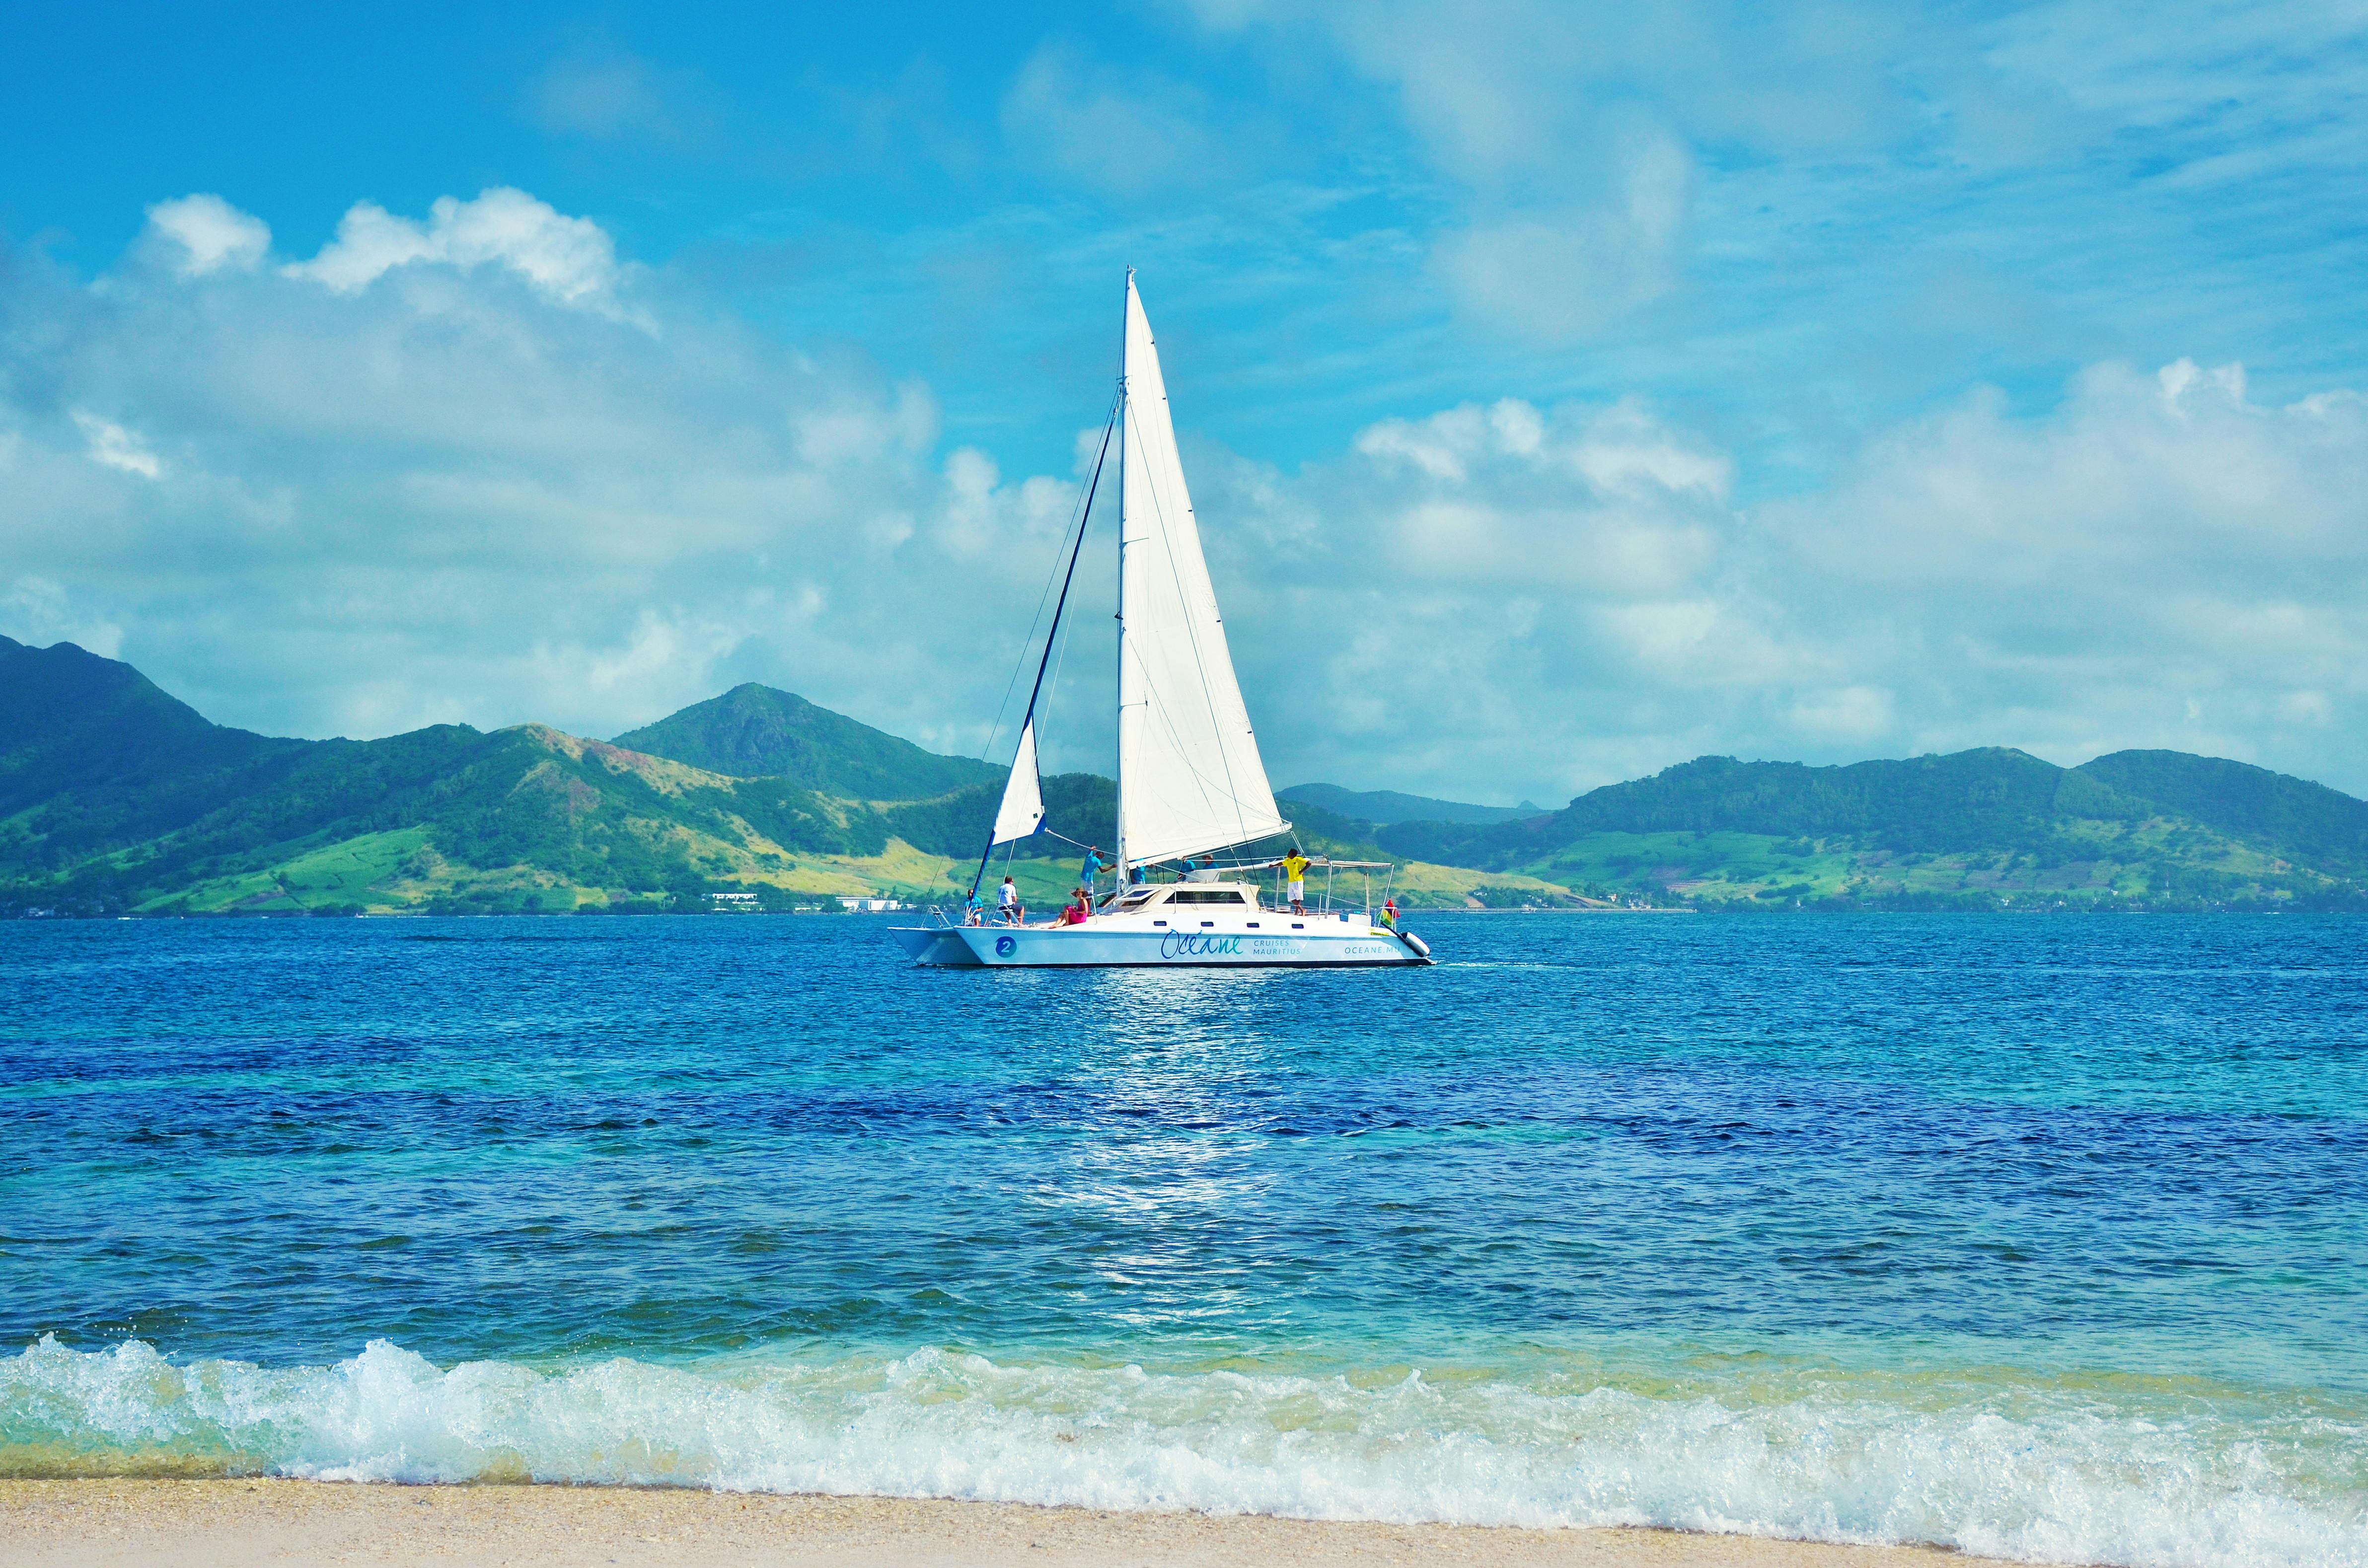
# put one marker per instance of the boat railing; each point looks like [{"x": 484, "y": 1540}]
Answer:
[{"x": 1325, "y": 903}]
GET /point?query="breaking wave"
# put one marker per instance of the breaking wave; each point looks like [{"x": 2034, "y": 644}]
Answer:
[{"x": 2098, "y": 1470}]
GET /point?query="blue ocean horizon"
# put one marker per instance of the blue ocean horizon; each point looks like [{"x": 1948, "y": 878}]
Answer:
[{"x": 2038, "y": 1236}]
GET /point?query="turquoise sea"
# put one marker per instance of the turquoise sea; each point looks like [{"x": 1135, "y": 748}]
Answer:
[{"x": 2038, "y": 1236}]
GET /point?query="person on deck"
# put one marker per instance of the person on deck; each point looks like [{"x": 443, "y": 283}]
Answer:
[
  {"x": 1206, "y": 871},
  {"x": 1092, "y": 869},
  {"x": 1078, "y": 908},
  {"x": 1294, "y": 871},
  {"x": 975, "y": 909},
  {"x": 1006, "y": 898}
]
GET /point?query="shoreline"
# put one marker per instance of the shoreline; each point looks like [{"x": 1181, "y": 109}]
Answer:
[{"x": 222, "y": 1522}]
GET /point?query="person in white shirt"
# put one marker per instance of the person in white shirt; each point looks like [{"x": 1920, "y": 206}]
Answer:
[{"x": 1008, "y": 899}]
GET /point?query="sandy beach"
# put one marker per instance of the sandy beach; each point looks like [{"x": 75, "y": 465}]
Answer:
[{"x": 200, "y": 1524}]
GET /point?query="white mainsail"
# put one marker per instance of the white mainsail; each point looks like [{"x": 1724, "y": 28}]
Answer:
[
  {"x": 1190, "y": 775},
  {"x": 1023, "y": 794}
]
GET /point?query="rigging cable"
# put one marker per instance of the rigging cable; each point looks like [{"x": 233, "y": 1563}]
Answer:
[{"x": 1084, "y": 517}]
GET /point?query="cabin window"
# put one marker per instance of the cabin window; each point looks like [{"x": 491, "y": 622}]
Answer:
[
  {"x": 1159, "y": 923},
  {"x": 1197, "y": 895}
]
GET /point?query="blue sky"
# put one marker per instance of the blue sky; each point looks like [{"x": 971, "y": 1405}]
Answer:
[{"x": 1565, "y": 393}]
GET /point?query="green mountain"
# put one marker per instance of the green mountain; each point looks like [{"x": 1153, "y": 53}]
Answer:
[
  {"x": 107, "y": 757},
  {"x": 115, "y": 797},
  {"x": 755, "y": 732},
  {"x": 1978, "y": 827},
  {"x": 1384, "y": 806}
]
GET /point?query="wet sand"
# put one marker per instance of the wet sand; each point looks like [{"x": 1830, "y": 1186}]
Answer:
[{"x": 219, "y": 1523}]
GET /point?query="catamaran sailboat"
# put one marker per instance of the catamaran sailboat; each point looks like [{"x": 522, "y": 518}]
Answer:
[{"x": 1190, "y": 782}]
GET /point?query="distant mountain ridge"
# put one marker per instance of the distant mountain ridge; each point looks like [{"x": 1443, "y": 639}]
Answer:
[
  {"x": 2002, "y": 820},
  {"x": 114, "y": 758},
  {"x": 1994, "y": 795},
  {"x": 116, "y": 797},
  {"x": 758, "y": 731},
  {"x": 1383, "y": 807}
]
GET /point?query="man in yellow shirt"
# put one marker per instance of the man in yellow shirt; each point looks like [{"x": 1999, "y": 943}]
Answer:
[{"x": 1294, "y": 871}]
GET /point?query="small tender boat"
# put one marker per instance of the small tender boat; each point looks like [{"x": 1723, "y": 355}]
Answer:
[{"x": 1190, "y": 781}]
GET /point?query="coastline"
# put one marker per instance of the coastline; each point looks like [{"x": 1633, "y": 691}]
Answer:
[{"x": 219, "y": 1523}]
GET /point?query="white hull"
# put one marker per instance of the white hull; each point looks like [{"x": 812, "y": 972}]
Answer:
[{"x": 1166, "y": 936}]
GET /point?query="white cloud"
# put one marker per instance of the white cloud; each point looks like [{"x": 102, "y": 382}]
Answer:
[
  {"x": 1120, "y": 133},
  {"x": 1568, "y": 270},
  {"x": 389, "y": 506},
  {"x": 40, "y": 612},
  {"x": 111, "y": 445},
  {"x": 1556, "y": 598},
  {"x": 213, "y": 236},
  {"x": 393, "y": 505},
  {"x": 569, "y": 259},
  {"x": 1568, "y": 139}
]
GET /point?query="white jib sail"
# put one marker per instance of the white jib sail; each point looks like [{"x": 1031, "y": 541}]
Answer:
[
  {"x": 1190, "y": 775},
  {"x": 1023, "y": 796}
]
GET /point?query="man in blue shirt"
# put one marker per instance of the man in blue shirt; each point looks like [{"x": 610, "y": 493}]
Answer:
[{"x": 1093, "y": 867}]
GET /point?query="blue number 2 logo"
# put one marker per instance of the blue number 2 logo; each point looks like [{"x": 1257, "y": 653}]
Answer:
[{"x": 1006, "y": 946}]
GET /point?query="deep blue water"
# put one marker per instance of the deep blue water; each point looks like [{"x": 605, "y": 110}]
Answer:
[{"x": 2047, "y": 1235}]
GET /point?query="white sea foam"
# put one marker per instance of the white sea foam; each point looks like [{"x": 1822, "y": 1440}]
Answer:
[{"x": 2051, "y": 1471}]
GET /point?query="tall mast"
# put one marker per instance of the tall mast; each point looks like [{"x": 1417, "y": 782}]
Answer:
[{"x": 1123, "y": 410}]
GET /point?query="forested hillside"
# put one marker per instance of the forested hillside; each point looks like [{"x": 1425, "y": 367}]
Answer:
[
  {"x": 757, "y": 732},
  {"x": 1976, "y": 827},
  {"x": 116, "y": 798}
]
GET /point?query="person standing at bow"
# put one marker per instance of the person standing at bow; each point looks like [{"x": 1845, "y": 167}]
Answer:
[
  {"x": 1295, "y": 873},
  {"x": 1006, "y": 898},
  {"x": 1092, "y": 869}
]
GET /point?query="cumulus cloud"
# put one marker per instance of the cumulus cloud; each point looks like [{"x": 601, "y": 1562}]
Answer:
[
  {"x": 388, "y": 506},
  {"x": 211, "y": 234},
  {"x": 1561, "y": 597},
  {"x": 391, "y": 506},
  {"x": 2160, "y": 562},
  {"x": 570, "y": 259}
]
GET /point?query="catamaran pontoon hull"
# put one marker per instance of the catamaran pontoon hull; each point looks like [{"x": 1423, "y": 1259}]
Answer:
[{"x": 1350, "y": 946}]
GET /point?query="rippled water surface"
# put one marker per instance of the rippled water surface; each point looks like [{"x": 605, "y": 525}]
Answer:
[{"x": 2040, "y": 1237}]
